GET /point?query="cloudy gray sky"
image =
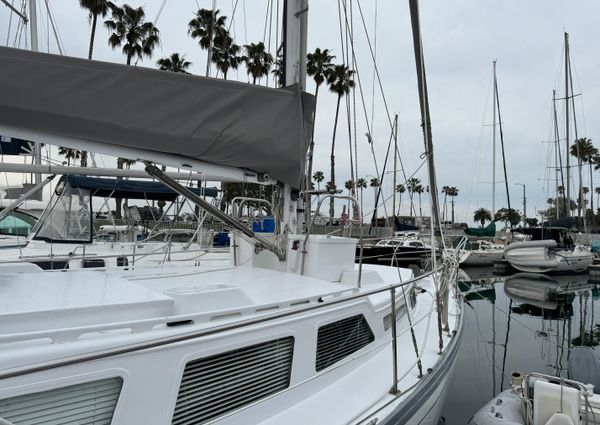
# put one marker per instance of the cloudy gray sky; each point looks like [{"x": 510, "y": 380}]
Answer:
[{"x": 460, "y": 38}]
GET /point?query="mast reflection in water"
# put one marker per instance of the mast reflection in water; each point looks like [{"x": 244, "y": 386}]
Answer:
[{"x": 524, "y": 322}]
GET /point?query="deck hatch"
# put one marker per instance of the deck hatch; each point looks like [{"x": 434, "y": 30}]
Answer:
[
  {"x": 91, "y": 402},
  {"x": 340, "y": 339},
  {"x": 216, "y": 385}
]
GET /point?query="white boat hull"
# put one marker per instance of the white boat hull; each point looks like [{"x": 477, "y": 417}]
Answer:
[
  {"x": 426, "y": 408},
  {"x": 480, "y": 257},
  {"x": 543, "y": 257}
]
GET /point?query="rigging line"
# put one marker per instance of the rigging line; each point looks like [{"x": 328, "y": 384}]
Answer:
[
  {"x": 579, "y": 89},
  {"x": 160, "y": 9},
  {"x": 354, "y": 100},
  {"x": 375, "y": 65},
  {"x": 264, "y": 38},
  {"x": 234, "y": 8},
  {"x": 54, "y": 29},
  {"x": 245, "y": 23},
  {"x": 479, "y": 154},
  {"x": 12, "y": 3},
  {"x": 271, "y": 27},
  {"x": 502, "y": 144},
  {"x": 349, "y": 120},
  {"x": 277, "y": 29},
  {"x": 270, "y": 38},
  {"x": 361, "y": 92},
  {"x": 47, "y": 31},
  {"x": 21, "y": 25},
  {"x": 341, "y": 33},
  {"x": 374, "y": 62},
  {"x": 387, "y": 154}
]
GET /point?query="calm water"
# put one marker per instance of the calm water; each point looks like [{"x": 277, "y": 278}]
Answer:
[{"x": 522, "y": 322}]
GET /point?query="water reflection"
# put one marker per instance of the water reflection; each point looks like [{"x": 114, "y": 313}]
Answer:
[{"x": 526, "y": 322}]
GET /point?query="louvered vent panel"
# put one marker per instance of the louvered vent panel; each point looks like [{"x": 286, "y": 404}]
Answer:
[
  {"x": 342, "y": 338},
  {"x": 89, "y": 403},
  {"x": 219, "y": 384},
  {"x": 387, "y": 320}
]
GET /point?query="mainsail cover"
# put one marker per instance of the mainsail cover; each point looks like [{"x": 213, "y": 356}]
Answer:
[
  {"x": 222, "y": 122},
  {"x": 489, "y": 230}
]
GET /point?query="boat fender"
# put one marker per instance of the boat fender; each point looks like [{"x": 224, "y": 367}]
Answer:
[
  {"x": 560, "y": 419},
  {"x": 504, "y": 409}
]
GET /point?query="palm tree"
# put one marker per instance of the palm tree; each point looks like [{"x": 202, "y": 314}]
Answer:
[
  {"x": 318, "y": 66},
  {"x": 583, "y": 150},
  {"x": 375, "y": 183},
  {"x": 411, "y": 184},
  {"x": 445, "y": 192},
  {"x": 130, "y": 29},
  {"x": 452, "y": 192},
  {"x": 419, "y": 189},
  {"x": 138, "y": 37},
  {"x": 95, "y": 8},
  {"x": 174, "y": 63},
  {"x": 361, "y": 184},
  {"x": 340, "y": 82},
  {"x": 400, "y": 188},
  {"x": 69, "y": 154},
  {"x": 585, "y": 190},
  {"x": 318, "y": 176},
  {"x": 349, "y": 185},
  {"x": 482, "y": 215},
  {"x": 225, "y": 54},
  {"x": 205, "y": 27},
  {"x": 258, "y": 60},
  {"x": 278, "y": 73}
]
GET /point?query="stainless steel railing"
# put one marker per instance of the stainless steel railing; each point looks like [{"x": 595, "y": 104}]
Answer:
[{"x": 160, "y": 342}]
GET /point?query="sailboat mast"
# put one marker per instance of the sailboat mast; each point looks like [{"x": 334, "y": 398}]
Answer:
[
  {"x": 425, "y": 117},
  {"x": 568, "y": 189},
  {"x": 557, "y": 157},
  {"x": 395, "y": 169},
  {"x": 494, "y": 143},
  {"x": 294, "y": 62},
  {"x": 37, "y": 146}
]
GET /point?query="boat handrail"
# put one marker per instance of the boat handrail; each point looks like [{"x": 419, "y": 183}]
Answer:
[
  {"x": 87, "y": 255},
  {"x": 312, "y": 223},
  {"x": 164, "y": 341},
  {"x": 584, "y": 390},
  {"x": 237, "y": 209}
]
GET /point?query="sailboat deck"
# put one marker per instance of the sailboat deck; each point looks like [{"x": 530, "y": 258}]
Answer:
[{"x": 64, "y": 306}]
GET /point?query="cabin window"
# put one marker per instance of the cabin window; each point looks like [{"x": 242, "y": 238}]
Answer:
[
  {"x": 91, "y": 402},
  {"x": 219, "y": 384},
  {"x": 93, "y": 263},
  {"x": 340, "y": 339}
]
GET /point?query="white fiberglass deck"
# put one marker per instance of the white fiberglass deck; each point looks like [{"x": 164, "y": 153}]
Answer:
[{"x": 64, "y": 305}]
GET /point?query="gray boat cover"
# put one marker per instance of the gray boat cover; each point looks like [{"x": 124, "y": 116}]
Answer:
[{"x": 222, "y": 122}]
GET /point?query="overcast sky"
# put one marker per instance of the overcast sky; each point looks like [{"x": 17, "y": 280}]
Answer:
[{"x": 460, "y": 39}]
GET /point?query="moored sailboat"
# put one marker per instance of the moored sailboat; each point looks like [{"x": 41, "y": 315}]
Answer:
[{"x": 295, "y": 332}]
